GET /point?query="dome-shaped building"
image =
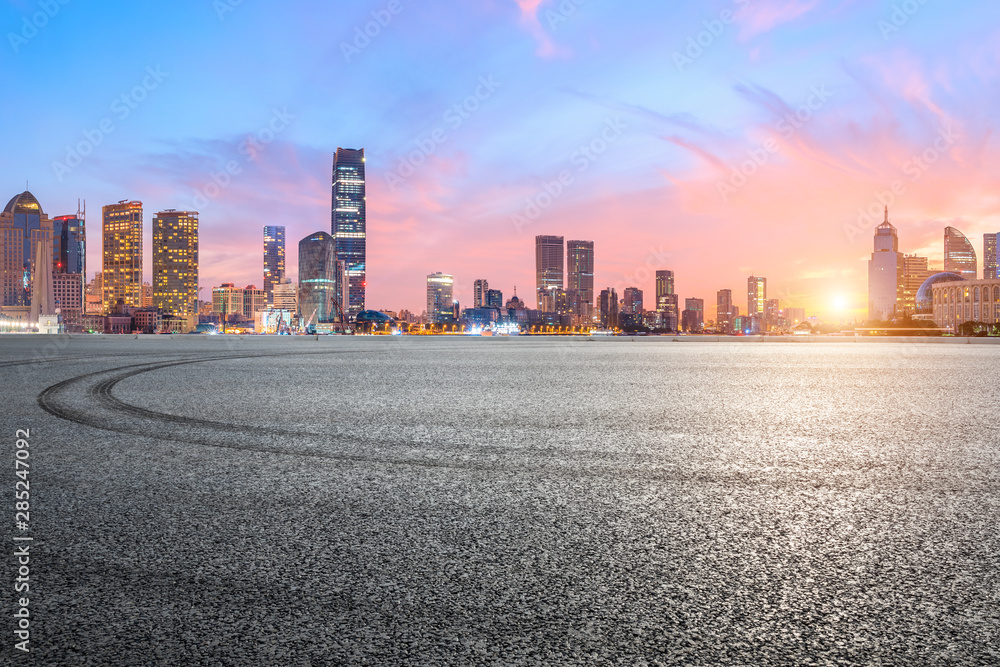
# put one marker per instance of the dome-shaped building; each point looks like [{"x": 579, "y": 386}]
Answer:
[
  {"x": 23, "y": 225},
  {"x": 925, "y": 300}
]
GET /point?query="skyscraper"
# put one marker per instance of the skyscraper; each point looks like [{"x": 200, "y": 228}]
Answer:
[
  {"x": 756, "y": 297},
  {"x": 915, "y": 272},
  {"x": 440, "y": 297},
  {"x": 724, "y": 312},
  {"x": 479, "y": 291},
  {"x": 175, "y": 264},
  {"x": 274, "y": 259},
  {"x": 667, "y": 300},
  {"x": 23, "y": 225},
  {"x": 121, "y": 235},
  {"x": 494, "y": 299},
  {"x": 991, "y": 265},
  {"x": 885, "y": 273},
  {"x": 959, "y": 255},
  {"x": 609, "y": 308},
  {"x": 69, "y": 247},
  {"x": 632, "y": 297},
  {"x": 349, "y": 223},
  {"x": 693, "y": 318},
  {"x": 323, "y": 282},
  {"x": 664, "y": 286},
  {"x": 549, "y": 259},
  {"x": 580, "y": 264}
]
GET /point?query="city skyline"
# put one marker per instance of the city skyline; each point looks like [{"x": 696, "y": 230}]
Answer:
[{"x": 680, "y": 175}]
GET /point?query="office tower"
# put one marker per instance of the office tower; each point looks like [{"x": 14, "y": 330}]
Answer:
[
  {"x": 175, "y": 264},
  {"x": 286, "y": 296},
  {"x": 609, "y": 308},
  {"x": 959, "y": 255},
  {"x": 479, "y": 291},
  {"x": 549, "y": 258},
  {"x": 724, "y": 312},
  {"x": 254, "y": 301},
  {"x": 632, "y": 300},
  {"x": 915, "y": 272},
  {"x": 885, "y": 273},
  {"x": 227, "y": 302},
  {"x": 67, "y": 288},
  {"x": 440, "y": 297},
  {"x": 494, "y": 298},
  {"x": 772, "y": 314},
  {"x": 580, "y": 265},
  {"x": 23, "y": 225},
  {"x": 794, "y": 316},
  {"x": 664, "y": 287},
  {"x": 121, "y": 234},
  {"x": 69, "y": 244},
  {"x": 693, "y": 318},
  {"x": 324, "y": 286},
  {"x": 349, "y": 223},
  {"x": 991, "y": 265},
  {"x": 756, "y": 296},
  {"x": 274, "y": 259}
]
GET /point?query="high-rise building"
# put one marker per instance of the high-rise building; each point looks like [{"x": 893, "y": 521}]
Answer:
[
  {"x": 724, "y": 312},
  {"x": 69, "y": 244},
  {"x": 549, "y": 260},
  {"x": 991, "y": 260},
  {"x": 580, "y": 269},
  {"x": 286, "y": 296},
  {"x": 772, "y": 314},
  {"x": 23, "y": 225},
  {"x": 693, "y": 318},
  {"x": 959, "y": 255},
  {"x": 324, "y": 286},
  {"x": 494, "y": 299},
  {"x": 227, "y": 302},
  {"x": 756, "y": 296},
  {"x": 121, "y": 237},
  {"x": 667, "y": 301},
  {"x": 632, "y": 301},
  {"x": 915, "y": 272},
  {"x": 274, "y": 259},
  {"x": 349, "y": 223},
  {"x": 609, "y": 308},
  {"x": 479, "y": 291},
  {"x": 885, "y": 273},
  {"x": 664, "y": 286},
  {"x": 440, "y": 297},
  {"x": 175, "y": 264},
  {"x": 67, "y": 288},
  {"x": 794, "y": 316},
  {"x": 254, "y": 301}
]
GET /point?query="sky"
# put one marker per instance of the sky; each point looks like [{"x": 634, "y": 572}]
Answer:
[{"x": 718, "y": 139}]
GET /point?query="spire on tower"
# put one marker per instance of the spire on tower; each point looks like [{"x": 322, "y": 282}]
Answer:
[{"x": 887, "y": 215}]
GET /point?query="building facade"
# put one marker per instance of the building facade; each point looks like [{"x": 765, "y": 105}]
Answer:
[
  {"x": 609, "y": 308},
  {"x": 549, "y": 260},
  {"x": 324, "y": 283},
  {"x": 693, "y": 318},
  {"x": 121, "y": 240},
  {"x": 479, "y": 290},
  {"x": 23, "y": 225},
  {"x": 991, "y": 265},
  {"x": 724, "y": 312},
  {"x": 350, "y": 223},
  {"x": 440, "y": 297},
  {"x": 175, "y": 264},
  {"x": 632, "y": 301},
  {"x": 756, "y": 297},
  {"x": 958, "y": 302},
  {"x": 959, "y": 255},
  {"x": 580, "y": 269},
  {"x": 885, "y": 273},
  {"x": 274, "y": 259}
]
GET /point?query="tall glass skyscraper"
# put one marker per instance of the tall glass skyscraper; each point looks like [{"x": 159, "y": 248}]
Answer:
[
  {"x": 348, "y": 225},
  {"x": 122, "y": 254},
  {"x": 23, "y": 225},
  {"x": 69, "y": 244},
  {"x": 580, "y": 266},
  {"x": 959, "y": 255},
  {"x": 175, "y": 264},
  {"x": 274, "y": 260},
  {"x": 549, "y": 262},
  {"x": 757, "y": 296},
  {"x": 322, "y": 280},
  {"x": 440, "y": 297}
]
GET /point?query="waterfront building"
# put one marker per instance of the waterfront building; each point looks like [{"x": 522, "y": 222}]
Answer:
[
  {"x": 175, "y": 265},
  {"x": 693, "y": 317},
  {"x": 69, "y": 244},
  {"x": 440, "y": 297},
  {"x": 632, "y": 301},
  {"x": 23, "y": 225},
  {"x": 349, "y": 224},
  {"x": 667, "y": 300},
  {"x": 274, "y": 259},
  {"x": 724, "y": 313},
  {"x": 915, "y": 272},
  {"x": 956, "y": 302},
  {"x": 885, "y": 273},
  {"x": 959, "y": 255},
  {"x": 286, "y": 296},
  {"x": 67, "y": 290},
  {"x": 324, "y": 281},
  {"x": 121, "y": 238},
  {"x": 227, "y": 302},
  {"x": 549, "y": 260},
  {"x": 479, "y": 291},
  {"x": 609, "y": 308},
  {"x": 494, "y": 299},
  {"x": 254, "y": 301},
  {"x": 991, "y": 265},
  {"x": 756, "y": 297},
  {"x": 580, "y": 269}
]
